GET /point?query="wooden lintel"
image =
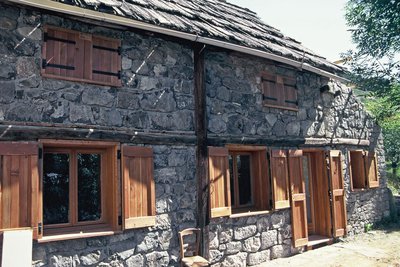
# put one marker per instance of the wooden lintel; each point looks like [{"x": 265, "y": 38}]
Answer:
[
  {"x": 284, "y": 142},
  {"x": 32, "y": 133}
]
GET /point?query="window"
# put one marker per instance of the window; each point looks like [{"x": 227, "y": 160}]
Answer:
[
  {"x": 75, "y": 56},
  {"x": 239, "y": 179},
  {"x": 279, "y": 91},
  {"x": 363, "y": 169},
  {"x": 71, "y": 189},
  {"x": 79, "y": 185}
]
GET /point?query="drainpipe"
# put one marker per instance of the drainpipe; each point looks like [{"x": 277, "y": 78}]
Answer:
[{"x": 122, "y": 21}]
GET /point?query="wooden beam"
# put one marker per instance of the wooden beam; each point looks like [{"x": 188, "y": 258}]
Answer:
[
  {"x": 32, "y": 133},
  {"x": 203, "y": 215}
]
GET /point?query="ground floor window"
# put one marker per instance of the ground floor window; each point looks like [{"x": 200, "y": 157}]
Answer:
[{"x": 72, "y": 186}]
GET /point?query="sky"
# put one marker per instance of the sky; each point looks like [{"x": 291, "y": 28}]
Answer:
[{"x": 318, "y": 24}]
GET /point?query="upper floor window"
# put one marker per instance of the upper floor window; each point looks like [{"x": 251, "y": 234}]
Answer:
[
  {"x": 82, "y": 57},
  {"x": 279, "y": 91}
]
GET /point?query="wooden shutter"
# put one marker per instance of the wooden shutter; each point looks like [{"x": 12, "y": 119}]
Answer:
[
  {"x": 261, "y": 177},
  {"x": 280, "y": 182},
  {"x": 220, "y": 193},
  {"x": 290, "y": 90},
  {"x": 298, "y": 198},
  {"x": 339, "y": 220},
  {"x": 279, "y": 91},
  {"x": 138, "y": 182},
  {"x": 75, "y": 56},
  {"x": 371, "y": 169},
  {"x": 357, "y": 170},
  {"x": 106, "y": 66},
  {"x": 19, "y": 190},
  {"x": 271, "y": 94},
  {"x": 62, "y": 56}
]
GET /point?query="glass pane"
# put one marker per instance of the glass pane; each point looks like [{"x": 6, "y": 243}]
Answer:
[
  {"x": 231, "y": 176},
  {"x": 89, "y": 188},
  {"x": 244, "y": 179},
  {"x": 55, "y": 188},
  {"x": 306, "y": 173}
]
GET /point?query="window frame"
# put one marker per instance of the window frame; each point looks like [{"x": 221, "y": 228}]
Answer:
[
  {"x": 234, "y": 176},
  {"x": 108, "y": 223},
  {"x": 73, "y": 220},
  {"x": 257, "y": 177},
  {"x": 366, "y": 168}
]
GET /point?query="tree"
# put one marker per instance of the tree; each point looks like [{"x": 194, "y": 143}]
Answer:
[{"x": 376, "y": 26}]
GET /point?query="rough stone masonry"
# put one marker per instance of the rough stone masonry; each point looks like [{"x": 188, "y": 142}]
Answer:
[{"x": 157, "y": 96}]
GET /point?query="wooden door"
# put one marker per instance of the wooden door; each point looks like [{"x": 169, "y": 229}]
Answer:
[
  {"x": 19, "y": 187},
  {"x": 339, "y": 220},
  {"x": 298, "y": 198}
]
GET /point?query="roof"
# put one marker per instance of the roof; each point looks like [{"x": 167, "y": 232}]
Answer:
[{"x": 215, "y": 19}]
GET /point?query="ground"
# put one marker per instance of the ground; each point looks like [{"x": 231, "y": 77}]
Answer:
[{"x": 375, "y": 248}]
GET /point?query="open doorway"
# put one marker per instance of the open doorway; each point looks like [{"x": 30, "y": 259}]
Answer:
[
  {"x": 317, "y": 197},
  {"x": 318, "y": 205}
]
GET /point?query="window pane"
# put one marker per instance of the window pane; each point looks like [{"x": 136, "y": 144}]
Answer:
[
  {"x": 232, "y": 179},
  {"x": 89, "y": 188},
  {"x": 55, "y": 188},
  {"x": 244, "y": 179}
]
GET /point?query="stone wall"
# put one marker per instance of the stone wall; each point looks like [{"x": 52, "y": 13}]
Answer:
[
  {"x": 235, "y": 109},
  {"x": 156, "y": 96},
  {"x": 157, "y": 91}
]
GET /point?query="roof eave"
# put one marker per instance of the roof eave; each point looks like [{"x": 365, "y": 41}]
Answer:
[{"x": 118, "y": 20}]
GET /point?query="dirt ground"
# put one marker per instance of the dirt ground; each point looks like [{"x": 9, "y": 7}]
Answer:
[{"x": 375, "y": 248}]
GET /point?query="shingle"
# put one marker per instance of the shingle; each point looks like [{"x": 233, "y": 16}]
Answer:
[{"x": 215, "y": 19}]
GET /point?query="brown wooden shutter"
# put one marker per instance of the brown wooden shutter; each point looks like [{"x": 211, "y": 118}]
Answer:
[
  {"x": 298, "y": 198},
  {"x": 61, "y": 54},
  {"x": 337, "y": 192},
  {"x": 19, "y": 191},
  {"x": 280, "y": 182},
  {"x": 106, "y": 61},
  {"x": 270, "y": 94},
  {"x": 371, "y": 169},
  {"x": 357, "y": 170},
  {"x": 76, "y": 56},
  {"x": 262, "y": 184},
  {"x": 220, "y": 193},
  {"x": 279, "y": 91},
  {"x": 138, "y": 182},
  {"x": 290, "y": 91}
]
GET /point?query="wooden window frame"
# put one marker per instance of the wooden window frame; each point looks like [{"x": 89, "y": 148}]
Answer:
[
  {"x": 84, "y": 63},
  {"x": 236, "y": 207},
  {"x": 366, "y": 169},
  {"x": 279, "y": 86},
  {"x": 108, "y": 223},
  {"x": 258, "y": 176}
]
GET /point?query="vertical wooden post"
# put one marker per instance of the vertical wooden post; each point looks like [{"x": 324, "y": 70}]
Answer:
[{"x": 201, "y": 144}]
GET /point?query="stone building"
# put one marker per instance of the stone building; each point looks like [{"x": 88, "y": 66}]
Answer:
[{"x": 124, "y": 122}]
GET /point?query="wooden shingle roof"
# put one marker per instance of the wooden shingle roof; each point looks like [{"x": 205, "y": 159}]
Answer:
[{"x": 214, "y": 19}]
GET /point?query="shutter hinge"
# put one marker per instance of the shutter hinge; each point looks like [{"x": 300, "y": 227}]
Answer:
[
  {"x": 119, "y": 220},
  {"x": 40, "y": 153},
  {"x": 119, "y": 154},
  {"x": 40, "y": 228},
  {"x": 119, "y": 50}
]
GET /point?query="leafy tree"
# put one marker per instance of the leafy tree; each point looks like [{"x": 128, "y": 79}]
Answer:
[{"x": 376, "y": 26}]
